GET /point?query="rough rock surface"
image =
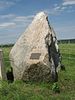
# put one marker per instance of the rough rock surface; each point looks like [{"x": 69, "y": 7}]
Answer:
[
  {"x": 29, "y": 56},
  {"x": 2, "y": 69}
]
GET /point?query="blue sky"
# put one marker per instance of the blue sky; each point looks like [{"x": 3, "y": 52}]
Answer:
[{"x": 16, "y": 15}]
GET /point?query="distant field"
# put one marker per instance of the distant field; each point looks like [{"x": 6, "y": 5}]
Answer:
[{"x": 19, "y": 90}]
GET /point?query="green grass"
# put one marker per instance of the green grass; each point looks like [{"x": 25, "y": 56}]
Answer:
[
  {"x": 19, "y": 90},
  {"x": 6, "y": 51}
]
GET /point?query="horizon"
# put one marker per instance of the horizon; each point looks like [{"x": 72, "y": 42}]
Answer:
[{"x": 16, "y": 15}]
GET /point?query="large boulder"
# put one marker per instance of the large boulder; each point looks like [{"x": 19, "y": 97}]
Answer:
[
  {"x": 29, "y": 56},
  {"x": 2, "y": 68}
]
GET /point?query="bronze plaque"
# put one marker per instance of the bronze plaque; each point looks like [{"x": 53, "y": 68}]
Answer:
[{"x": 35, "y": 55}]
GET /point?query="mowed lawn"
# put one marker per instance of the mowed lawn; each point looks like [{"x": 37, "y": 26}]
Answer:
[{"x": 19, "y": 90}]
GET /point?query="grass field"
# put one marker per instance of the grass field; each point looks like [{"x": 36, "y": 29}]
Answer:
[{"x": 19, "y": 90}]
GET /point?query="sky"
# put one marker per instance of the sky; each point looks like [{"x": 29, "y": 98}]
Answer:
[{"x": 16, "y": 15}]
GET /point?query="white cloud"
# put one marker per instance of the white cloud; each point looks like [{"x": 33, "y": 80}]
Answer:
[
  {"x": 56, "y": 10},
  {"x": 68, "y": 2},
  {"x": 13, "y": 21},
  {"x": 63, "y": 8},
  {"x": 4, "y": 4},
  {"x": 15, "y": 18},
  {"x": 70, "y": 11},
  {"x": 24, "y": 18},
  {"x": 7, "y": 16},
  {"x": 55, "y": 5},
  {"x": 7, "y": 25},
  {"x": 53, "y": 11},
  {"x": 66, "y": 6}
]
